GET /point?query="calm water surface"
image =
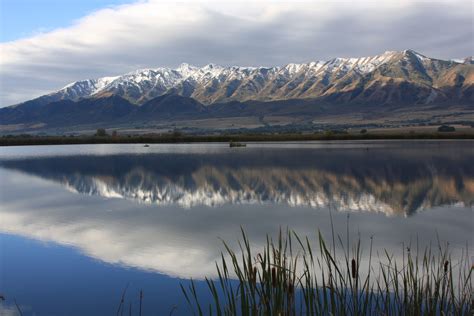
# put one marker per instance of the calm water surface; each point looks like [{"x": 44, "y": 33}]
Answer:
[{"x": 78, "y": 224}]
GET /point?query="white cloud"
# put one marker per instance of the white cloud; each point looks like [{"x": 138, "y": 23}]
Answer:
[{"x": 165, "y": 33}]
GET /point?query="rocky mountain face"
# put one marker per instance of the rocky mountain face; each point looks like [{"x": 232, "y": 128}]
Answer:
[{"x": 392, "y": 79}]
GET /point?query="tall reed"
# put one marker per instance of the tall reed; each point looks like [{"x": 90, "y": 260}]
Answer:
[{"x": 292, "y": 277}]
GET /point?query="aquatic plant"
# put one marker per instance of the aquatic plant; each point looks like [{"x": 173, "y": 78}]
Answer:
[{"x": 292, "y": 277}]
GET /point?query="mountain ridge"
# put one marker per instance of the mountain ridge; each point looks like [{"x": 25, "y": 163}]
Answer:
[
  {"x": 395, "y": 80},
  {"x": 213, "y": 83}
]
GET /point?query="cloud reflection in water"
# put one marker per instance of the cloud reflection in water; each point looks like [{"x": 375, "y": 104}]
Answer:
[{"x": 192, "y": 199}]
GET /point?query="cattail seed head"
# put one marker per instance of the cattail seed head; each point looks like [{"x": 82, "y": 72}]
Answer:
[
  {"x": 291, "y": 288},
  {"x": 354, "y": 269},
  {"x": 274, "y": 277},
  {"x": 446, "y": 265}
]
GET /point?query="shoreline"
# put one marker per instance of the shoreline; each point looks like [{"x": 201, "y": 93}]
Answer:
[{"x": 23, "y": 140}]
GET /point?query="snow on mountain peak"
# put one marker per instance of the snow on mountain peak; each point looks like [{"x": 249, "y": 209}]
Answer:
[
  {"x": 212, "y": 69},
  {"x": 83, "y": 88},
  {"x": 293, "y": 68},
  {"x": 142, "y": 84},
  {"x": 186, "y": 70},
  {"x": 419, "y": 56},
  {"x": 468, "y": 60}
]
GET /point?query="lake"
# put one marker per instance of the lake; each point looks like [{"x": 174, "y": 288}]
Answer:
[{"x": 79, "y": 224}]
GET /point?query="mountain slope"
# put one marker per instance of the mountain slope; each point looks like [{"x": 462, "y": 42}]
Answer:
[
  {"x": 107, "y": 109},
  {"x": 425, "y": 80},
  {"x": 390, "y": 81},
  {"x": 65, "y": 112},
  {"x": 168, "y": 107}
]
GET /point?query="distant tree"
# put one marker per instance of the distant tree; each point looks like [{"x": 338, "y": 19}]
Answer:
[
  {"x": 177, "y": 133},
  {"x": 363, "y": 131},
  {"x": 101, "y": 132},
  {"x": 446, "y": 128},
  {"x": 114, "y": 134},
  {"x": 328, "y": 133}
]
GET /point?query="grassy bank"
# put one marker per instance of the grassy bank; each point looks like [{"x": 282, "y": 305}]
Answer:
[
  {"x": 292, "y": 277},
  {"x": 171, "y": 138}
]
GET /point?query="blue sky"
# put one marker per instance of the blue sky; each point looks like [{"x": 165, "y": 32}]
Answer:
[
  {"x": 46, "y": 44},
  {"x": 25, "y": 18}
]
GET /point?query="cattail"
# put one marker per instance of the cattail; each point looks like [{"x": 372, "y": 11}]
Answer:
[
  {"x": 274, "y": 277},
  {"x": 254, "y": 276},
  {"x": 291, "y": 288},
  {"x": 354, "y": 269},
  {"x": 446, "y": 264},
  {"x": 141, "y": 299}
]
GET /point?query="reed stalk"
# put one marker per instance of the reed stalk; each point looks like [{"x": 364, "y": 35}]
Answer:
[{"x": 292, "y": 277}]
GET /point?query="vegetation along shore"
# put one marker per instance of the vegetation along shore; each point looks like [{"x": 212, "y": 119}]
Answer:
[
  {"x": 177, "y": 137},
  {"x": 293, "y": 277}
]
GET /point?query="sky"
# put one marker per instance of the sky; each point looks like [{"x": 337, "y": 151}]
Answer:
[
  {"x": 26, "y": 18},
  {"x": 46, "y": 44}
]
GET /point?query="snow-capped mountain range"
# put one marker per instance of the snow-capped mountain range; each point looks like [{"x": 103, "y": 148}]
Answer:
[
  {"x": 213, "y": 83},
  {"x": 393, "y": 81}
]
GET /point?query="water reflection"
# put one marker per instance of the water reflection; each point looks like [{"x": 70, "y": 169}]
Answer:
[
  {"x": 185, "y": 242},
  {"x": 394, "y": 181},
  {"x": 166, "y": 208}
]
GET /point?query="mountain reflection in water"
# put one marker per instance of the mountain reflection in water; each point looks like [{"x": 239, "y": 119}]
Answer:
[
  {"x": 193, "y": 196},
  {"x": 394, "y": 181}
]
